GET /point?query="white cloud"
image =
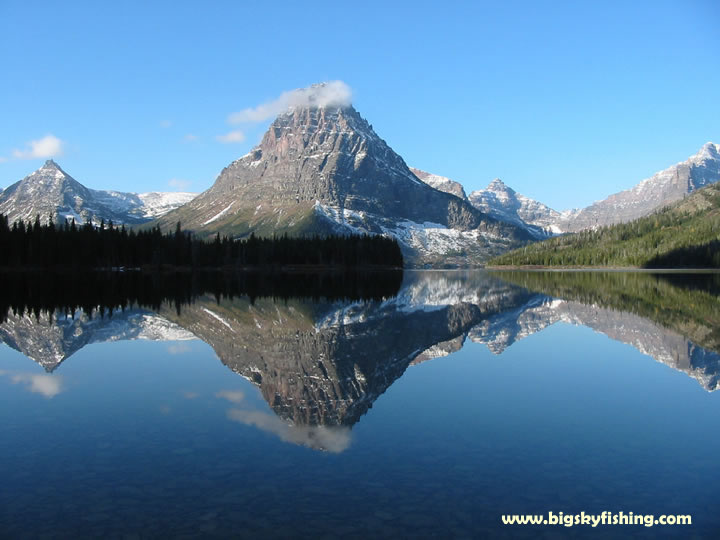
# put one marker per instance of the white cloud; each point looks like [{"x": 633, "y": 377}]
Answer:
[
  {"x": 166, "y": 124},
  {"x": 333, "y": 439},
  {"x": 233, "y": 396},
  {"x": 236, "y": 136},
  {"x": 180, "y": 185},
  {"x": 328, "y": 94},
  {"x": 190, "y": 137},
  {"x": 3, "y": 159},
  {"x": 47, "y": 385},
  {"x": 48, "y": 146},
  {"x": 178, "y": 348}
]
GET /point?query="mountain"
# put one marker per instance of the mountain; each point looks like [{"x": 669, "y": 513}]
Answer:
[
  {"x": 51, "y": 339},
  {"x": 51, "y": 191},
  {"x": 661, "y": 189},
  {"x": 685, "y": 234},
  {"x": 665, "y": 187},
  {"x": 440, "y": 183},
  {"x": 503, "y": 203},
  {"x": 325, "y": 170}
]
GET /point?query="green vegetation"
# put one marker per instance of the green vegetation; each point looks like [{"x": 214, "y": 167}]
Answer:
[
  {"x": 685, "y": 303},
  {"x": 686, "y": 234},
  {"x": 88, "y": 247}
]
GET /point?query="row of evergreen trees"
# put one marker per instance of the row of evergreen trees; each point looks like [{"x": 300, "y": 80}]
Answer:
[{"x": 108, "y": 246}]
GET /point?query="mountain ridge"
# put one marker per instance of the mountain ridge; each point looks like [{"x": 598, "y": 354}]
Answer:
[
  {"x": 50, "y": 191},
  {"x": 648, "y": 195}
]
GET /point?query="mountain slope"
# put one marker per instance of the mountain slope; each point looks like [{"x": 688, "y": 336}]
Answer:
[
  {"x": 50, "y": 191},
  {"x": 440, "y": 183},
  {"x": 324, "y": 169},
  {"x": 686, "y": 233},
  {"x": 661, "y": 189}
]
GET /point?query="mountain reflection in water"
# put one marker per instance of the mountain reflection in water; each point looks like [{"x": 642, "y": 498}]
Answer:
[{"x": 321, "y": 360}]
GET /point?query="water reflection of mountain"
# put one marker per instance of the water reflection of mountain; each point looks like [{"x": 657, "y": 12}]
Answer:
[
  {"x": 325, "y": 363},
  {"x": 321, "y": 364},
  {"x": 50, "y": 338},
  {"x": 672, "y": 317}
]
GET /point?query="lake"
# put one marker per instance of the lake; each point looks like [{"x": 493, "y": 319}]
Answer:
[{"x": 428, "y": 404}]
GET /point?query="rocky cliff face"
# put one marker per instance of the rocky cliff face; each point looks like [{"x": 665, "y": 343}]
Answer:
[
  {"x": 324, "y": 170},
  {"x": 661, "y": 189},
  {"x": 50, "y": 191}
]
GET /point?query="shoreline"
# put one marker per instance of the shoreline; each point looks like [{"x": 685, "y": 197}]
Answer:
[{"x": 538, "y": 268}]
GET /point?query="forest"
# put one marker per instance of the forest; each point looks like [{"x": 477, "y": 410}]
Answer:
[
  {"x": 68, "y": 246},
  {"x": 684, "y": 235}
]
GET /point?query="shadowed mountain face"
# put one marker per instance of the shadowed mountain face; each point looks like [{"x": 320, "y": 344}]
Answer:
[
  {"x": 325, "y": 170},
  {"x": 321, "y": 364}
]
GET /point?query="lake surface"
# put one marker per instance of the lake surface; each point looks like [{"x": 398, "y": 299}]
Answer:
[{"x": 428, "y": 406}]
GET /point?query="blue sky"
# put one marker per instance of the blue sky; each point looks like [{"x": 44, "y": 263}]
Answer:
[{"x": 567, "y": 102}]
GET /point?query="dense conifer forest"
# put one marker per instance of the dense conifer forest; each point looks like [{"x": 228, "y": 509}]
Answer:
[
  {"x": 32, "y": 245},
  {"x": 686, "y": 234}
]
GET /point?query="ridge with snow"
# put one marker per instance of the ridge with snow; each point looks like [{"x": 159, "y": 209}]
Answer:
[{"x": 51, "y": 192}]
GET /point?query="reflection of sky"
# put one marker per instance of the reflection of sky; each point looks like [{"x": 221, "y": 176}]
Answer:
[{"x": 48, "y": 386}]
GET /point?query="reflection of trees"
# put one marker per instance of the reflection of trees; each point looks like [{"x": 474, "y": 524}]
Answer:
[
  {"x": 685, "y": 303},
  {"x": 106, "y": 292}
]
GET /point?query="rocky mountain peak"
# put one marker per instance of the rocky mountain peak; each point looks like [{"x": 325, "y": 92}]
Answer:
[
  {"x": 323, "y": 170},
  {"x": 316, "y": 130},
  {"x": 709, "y": 150},
  {"x": 51, "y": 192},
  {"x": 498, "y": 185}
]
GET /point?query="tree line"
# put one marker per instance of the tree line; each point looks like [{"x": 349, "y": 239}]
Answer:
[{"x": 70, "y": 246}]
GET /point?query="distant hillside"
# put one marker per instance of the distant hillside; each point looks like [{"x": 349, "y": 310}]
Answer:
[{"x": 685, "y": 234}]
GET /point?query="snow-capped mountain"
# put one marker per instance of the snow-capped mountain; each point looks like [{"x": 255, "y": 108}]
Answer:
[
  {"x": 672, "y": 184},
  {"x": 50, "y": 191},
  {"x": 502, "y": 202},
  {"x": 323, "y": 169},
  {"x": 661, "y": 189},
  {"x": 441, "y": 183}
]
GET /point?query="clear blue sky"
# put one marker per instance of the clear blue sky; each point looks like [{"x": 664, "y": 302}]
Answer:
[{"x": 567, "y": 102}]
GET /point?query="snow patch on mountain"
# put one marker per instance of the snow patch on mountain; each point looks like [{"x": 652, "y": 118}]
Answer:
[{"x": 421, "y": 241}]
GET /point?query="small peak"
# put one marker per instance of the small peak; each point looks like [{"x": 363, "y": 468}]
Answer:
[
  {"x": 709, "y": 150},
  {"x": 498, "y": 184},
  {"x": 50, "y": 164}
]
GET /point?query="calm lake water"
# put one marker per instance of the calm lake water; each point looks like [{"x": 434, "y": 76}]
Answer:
[{"x": 430, "y": 410}]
